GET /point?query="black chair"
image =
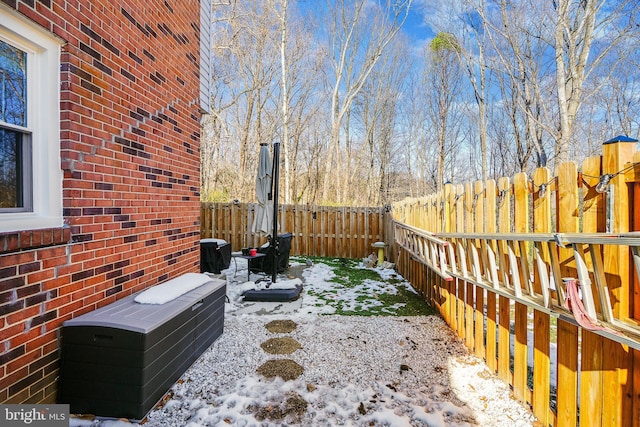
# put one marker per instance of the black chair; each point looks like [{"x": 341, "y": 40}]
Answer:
[
  {"x": 215, "y": 255},
  {"x": 265, "y": 264}
]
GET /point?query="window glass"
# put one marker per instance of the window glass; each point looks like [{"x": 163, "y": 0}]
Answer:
[
  {"x": 11, "y": 176},
  {"x": 13, "y": 112},
  {"x": 13, "y": 85}
]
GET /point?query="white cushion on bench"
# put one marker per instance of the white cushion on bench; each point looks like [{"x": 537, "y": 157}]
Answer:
[{"x": 172, "y": 289}]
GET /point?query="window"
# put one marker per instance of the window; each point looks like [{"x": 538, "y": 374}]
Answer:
[
  {"x": 30, "y": 174},
  {"x": 15, "y": 194}
]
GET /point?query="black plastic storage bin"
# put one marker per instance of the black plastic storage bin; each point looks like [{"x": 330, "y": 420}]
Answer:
[{"x": 119, "y": 360}]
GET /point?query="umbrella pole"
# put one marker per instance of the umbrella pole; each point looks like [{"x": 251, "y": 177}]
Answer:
[{"x": 275, "y": 185}]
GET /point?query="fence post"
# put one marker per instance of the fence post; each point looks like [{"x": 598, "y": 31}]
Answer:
[
  {"x": 615, "y": 154},
  {"x": 635, "y": 226},
  {"x": 617, "y": 369}
]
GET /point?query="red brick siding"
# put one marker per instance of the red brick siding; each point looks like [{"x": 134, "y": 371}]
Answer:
[{"x": 130, "y": 132}]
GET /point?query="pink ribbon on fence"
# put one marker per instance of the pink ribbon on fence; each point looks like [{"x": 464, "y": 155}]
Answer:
[{"x": 573, "y": 302}]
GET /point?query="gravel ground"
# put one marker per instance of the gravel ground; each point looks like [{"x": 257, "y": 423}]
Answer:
[
  {"x": 341, "y": 370},
  {"x": 361, "y": 371}
]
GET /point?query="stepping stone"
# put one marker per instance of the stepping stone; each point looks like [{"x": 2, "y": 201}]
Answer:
[
  {"x": 281, "y": 326},
  {"x": 286, "y": 369},
  {"x": 280, "y": 345},
  {"x": 291, "y": 410}
]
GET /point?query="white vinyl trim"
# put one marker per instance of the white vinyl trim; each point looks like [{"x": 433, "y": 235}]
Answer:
[{"x": 43, "y": 104}]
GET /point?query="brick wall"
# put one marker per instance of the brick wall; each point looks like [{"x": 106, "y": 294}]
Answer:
[{"x": 130, "y": 154}]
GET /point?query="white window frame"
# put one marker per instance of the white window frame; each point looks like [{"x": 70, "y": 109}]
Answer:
[
  {"x": 206, "y": 16},
  {"x": 43, "y": 115}
]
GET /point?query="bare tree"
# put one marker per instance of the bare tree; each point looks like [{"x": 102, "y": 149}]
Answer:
[
  {"x": 444, "y": 79},
  {"x": 375, "y": 110},
  {"x": 360, "y": 32},
  {"x": 570, "y": 28},
  {"x": 476, "y": 68},
  {"x": 621, "y": 101},
  {"x": 573, "y": 38},
  {"x": 457, "y": 18},
  {"x": 514, "y": 37},
  {"x": 307, "y": 116},
  {"x": 414, "y": 151},
  {"x": 245, "y": 70},
  {"x": 284, "y": 97},
  {"x": 508, "y": 85}
]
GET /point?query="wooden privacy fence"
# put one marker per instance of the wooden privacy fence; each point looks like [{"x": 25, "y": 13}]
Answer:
[
  {"x": 493, "y": 256},
  {"x": 317, "y": 230}
]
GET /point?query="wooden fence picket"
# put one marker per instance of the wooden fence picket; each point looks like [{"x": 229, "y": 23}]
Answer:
[
  {"x": 542, "y": 321},
  {"x": 317, "y": 230},
  {"x": 479, "y": 227},
  {"x": 521, "y": 225},
  {"x": 490, "y": 227}
]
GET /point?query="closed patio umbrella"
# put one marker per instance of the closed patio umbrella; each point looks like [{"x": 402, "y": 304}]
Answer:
[{"x": 264, "y": 211}]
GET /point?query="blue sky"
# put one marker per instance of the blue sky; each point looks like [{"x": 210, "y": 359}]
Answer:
[{"x": 415, "y": 26}]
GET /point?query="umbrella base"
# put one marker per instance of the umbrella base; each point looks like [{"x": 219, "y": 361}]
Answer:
[{"x": 273, "y": 295}]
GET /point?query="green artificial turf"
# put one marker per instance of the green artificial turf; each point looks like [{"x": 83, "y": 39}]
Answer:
[{"x": 363, "y": 292}]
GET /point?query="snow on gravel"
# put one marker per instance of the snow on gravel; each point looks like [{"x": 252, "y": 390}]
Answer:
[{"x": 358, "y": 371}]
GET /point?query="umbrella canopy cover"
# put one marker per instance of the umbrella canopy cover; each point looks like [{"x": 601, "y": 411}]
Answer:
[{"x": 264, "y": 211}]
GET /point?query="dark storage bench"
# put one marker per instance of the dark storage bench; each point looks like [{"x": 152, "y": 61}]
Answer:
[{"x": 119, "y": 360}]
